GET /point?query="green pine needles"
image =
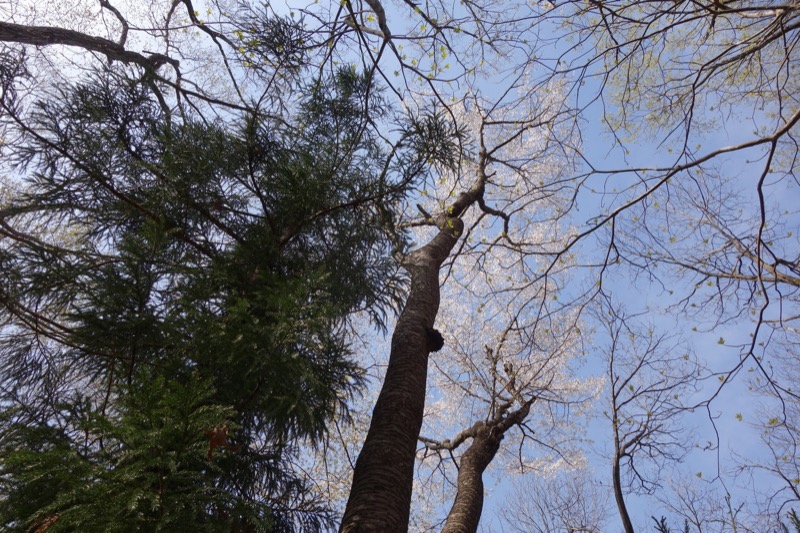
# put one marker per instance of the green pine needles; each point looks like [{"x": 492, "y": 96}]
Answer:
[{"x": 175, "y": 310}]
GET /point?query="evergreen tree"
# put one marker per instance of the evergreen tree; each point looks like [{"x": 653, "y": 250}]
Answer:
[{"x": 175, "y": 310}]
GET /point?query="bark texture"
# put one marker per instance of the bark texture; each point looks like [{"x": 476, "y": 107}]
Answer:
[
  {"x": 465, "y": 514},
  {"x": 48, "y": 35},
  {"x": 619, "y": 497},
  {"x": 380, "y": 497}
]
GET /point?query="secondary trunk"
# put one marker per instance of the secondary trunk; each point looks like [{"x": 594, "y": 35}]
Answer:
[
  {"x": 618, "y": 496},
  {"x": 465, "y": 514},
  {"x": 380, "y": 497}
]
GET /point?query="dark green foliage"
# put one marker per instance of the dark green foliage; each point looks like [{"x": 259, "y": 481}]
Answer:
[
  {"x": 270, "y": 46},
  {"x": 794, "y": 521},
  {"x": 168, "y": 281},
  {"x": 143, "y": 469},
  {"x": 435, "y": 134},
  {"x": 662, "y": 526}
]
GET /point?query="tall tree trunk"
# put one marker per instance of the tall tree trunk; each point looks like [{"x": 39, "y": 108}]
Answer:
[
  {"x": 465, "y": 514},
  {"x": 380, "y": 497},
  {"x": 618, "y": 496}
]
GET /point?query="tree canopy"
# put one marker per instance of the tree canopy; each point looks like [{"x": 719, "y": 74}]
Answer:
[
  {"x": 177, "y": 298},
  {"x": 592, "y": 203}
]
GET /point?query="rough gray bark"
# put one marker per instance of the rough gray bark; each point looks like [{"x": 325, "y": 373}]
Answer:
[
  {"x": 48, "y": 35},
  {"x": 465, "y": 514},
  {"x": 380, "y": 497}
]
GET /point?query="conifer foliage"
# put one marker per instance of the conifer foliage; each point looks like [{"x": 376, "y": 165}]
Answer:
[{"x": 176, "y": 298}]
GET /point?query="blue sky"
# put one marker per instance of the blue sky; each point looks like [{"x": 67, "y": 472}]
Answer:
[{"x": 741, "y": 169}]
